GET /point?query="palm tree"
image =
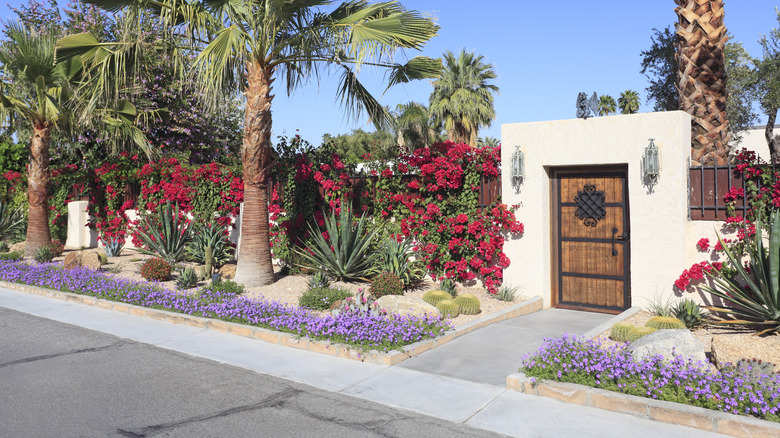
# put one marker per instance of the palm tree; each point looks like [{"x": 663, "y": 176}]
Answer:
[
  {"x": 462, "y": 98},
  {"x": 248, "y": 44},
  {"x": 414, "y": 126},
  {"x": 39, "y": 93},
  {"x": 607, "y": 105},
  {"x": 628, "y": 102},
  {"x": 488, "y": 141},
  {"x": 702, "y": 77}
]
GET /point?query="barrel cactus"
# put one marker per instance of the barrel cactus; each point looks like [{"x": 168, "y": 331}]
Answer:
[
  {"x": 665, "y": 323},
  {"x": 448, "y": 308},
  {"x": 434, "y": 297},
  {"x": 468, "y": 304},
  {"x": 638, "y": 332},
  {"x": 620, "y": 331}
]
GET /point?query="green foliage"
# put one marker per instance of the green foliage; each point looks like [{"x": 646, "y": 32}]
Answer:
[
  {"x": 155, "y": 269},
  {"x": 448, "y": 308},
  {"x": 354, "y": 146},
  {"x": 434, "y": 297},
  {"x": 638, "y": 332},
  {"x": 740, "y": 90},
  {"x": 13, "y": 156},
  {"x": 45, "y": 254},
  {"x": 113, "y": 247},
  {"x": 322, "y": 298},
  {"x": 660, "y": 68},
  {"x": 318, "y": 280},
  {"x": 386, "y": 283},
  {"x": 450, "y": 286},
  {"x": 628, "y": 102},
  {"x": 468, "y": 304},
  {"x": 167, "y": 236},
  {"x": 187, "y": 279},
  {"x": 15, "y": 255},
  {"x": 607, "y": 105},
  {"x": 690, "y": 313},
  {"x": 665, "y": 323},
  {"x": 4, "y": 246},
  {"x": 507, "y": 293},
  {"x": 210, "y": 235},
  {"x": 758, "y": 302},
  {"x": 620, "y": 331},
  {"x": 227, "y": 286},
  {"x": 395, "y": 258},
  {"x": 345, "y": 253},
  {"x": 11, "y": 221},
  {"x": 659, "y": 306}
]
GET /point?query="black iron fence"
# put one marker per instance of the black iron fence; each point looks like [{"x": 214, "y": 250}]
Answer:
[{"x": 707, "y": 186}]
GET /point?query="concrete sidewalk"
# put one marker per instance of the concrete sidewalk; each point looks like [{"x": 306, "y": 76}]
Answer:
[{"x": 420, "y": 386}]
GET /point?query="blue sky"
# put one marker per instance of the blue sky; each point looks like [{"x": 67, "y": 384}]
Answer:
[{"x": 543, "y": 52}]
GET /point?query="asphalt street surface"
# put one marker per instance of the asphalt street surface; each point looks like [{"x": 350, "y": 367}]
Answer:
[{"x": 59, "y": 380}]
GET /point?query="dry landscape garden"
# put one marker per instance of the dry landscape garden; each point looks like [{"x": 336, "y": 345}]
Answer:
[{"x": 158, "y": 115}]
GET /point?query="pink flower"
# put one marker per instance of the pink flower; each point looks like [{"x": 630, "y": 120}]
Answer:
[{"x": 703, "y": 244}]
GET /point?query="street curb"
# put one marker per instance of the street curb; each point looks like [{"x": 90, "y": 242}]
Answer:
[
  {"x": 287, "y": 339},
  {"x": 656, "y": 410}
]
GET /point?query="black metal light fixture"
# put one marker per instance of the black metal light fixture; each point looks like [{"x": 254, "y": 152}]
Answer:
[
  {"x": 518, "y": 165},
  {"x": 651, "y": 163}
]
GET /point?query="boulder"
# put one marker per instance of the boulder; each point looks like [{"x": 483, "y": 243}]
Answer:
[
  {"x": 411, "y": 306},
  {"x": 18, "y": 247},
  {"x": 228, "y": 271},
  {"x": 663, "y": 342},
  {"x": 72, "y": 260},
  {"x": 91, "y": 260}
]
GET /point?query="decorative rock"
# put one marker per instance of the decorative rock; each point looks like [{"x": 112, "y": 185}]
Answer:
[
  {"x": 228, "y": 271},
  {"x": 663, "y": 342},
  {"x": 411, "y": 306},
  {"x": 91, "y": 260},
  {"x": 18, "y": 247},
  {"x": 72, "y": 260}
]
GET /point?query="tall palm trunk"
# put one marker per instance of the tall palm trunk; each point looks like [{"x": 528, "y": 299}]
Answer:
[
  {"x": 254, "y": 263},
  {"x": 38, "y": 233},
  {"x": 702, "y": 77}
]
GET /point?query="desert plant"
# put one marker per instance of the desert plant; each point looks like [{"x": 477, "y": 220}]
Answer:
[
  {"x": 386, "y": 283},
  {"x": 448, "y": 285},
  {"x": 619, "y": 332},
  {"x": 113, "y": 246},
  {"x": 659, "y": 306},
  {"x": 11, "y": 221},
  {"x": 690, "y": 313},
  {"x": 187, "y": 279},
  {"x": 45, "y": 254},
  {"x": 448, "y": 308},
  {"x": 322, "y": 298},
  {"x": 468, "y": 304},
  {"x": 361, "y": 304},
  {"x": 345, "y": 254},
  {"x": 507, "y": 293},
  {"x": 395, "y": 258},
  {"x": 169, "y": 239},
  {"x": 638, "y": 332},
  {"x": 14, "y": 255},
  {"x": 319, "y": 279},
  {"x": 665, "y": 323},
  {"x": 758, "y": 303},
  {"x": 4, "y": 246},
  {"x": 210, "y": 235},
  {"x": 155, "y": 269},
  {"x": 434, "y": 297},
  {"x": 225, "y": 287},
  {"x": 103, "y": 258}
]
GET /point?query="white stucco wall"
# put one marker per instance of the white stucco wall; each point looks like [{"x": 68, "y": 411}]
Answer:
[{"x": 658, "y": 217}]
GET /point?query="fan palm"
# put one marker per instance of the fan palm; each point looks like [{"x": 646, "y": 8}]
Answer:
[
  {"x": 462, "y": 98},
  {"x": 414, "y": 126},
  {"x": 607, "y": 105},
  {"x": 248, "y": 44},
  {"x": 628, "y": 102}
]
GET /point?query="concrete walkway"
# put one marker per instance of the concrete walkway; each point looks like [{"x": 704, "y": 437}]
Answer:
[{"x": 463, "y": 388}]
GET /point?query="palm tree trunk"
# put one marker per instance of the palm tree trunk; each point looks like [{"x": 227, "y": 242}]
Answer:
[
  {"x": 38, "y": 233},
  {"x": 254, "y": 263}
]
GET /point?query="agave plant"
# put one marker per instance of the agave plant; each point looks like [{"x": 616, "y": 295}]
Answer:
[
  {"x": 11, "y": 221},
  {"x": 210, "y": 235},
  {"x": 758, "y": 303},
  {"x": 168, "y": 239},
  {"x": 395, "y": 259},
  {"x": 345, "y": 254}
]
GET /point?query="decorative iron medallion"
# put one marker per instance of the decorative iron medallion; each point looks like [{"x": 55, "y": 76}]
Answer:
[{"x": 590, "y": 205}]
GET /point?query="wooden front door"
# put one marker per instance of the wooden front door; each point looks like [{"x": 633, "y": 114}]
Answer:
[{"x": 590, "y": 239}]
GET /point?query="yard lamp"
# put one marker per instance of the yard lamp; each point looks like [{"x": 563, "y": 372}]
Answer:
[
  {"x": 518, "y": 165},
  {"x": 651, "y": 166}
]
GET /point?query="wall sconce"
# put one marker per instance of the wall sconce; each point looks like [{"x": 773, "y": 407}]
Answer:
[
  {"x": 651, "y": 164},
  {"x": 518, "y": 165}
]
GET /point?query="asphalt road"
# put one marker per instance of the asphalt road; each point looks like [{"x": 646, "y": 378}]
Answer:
[{"x": 59, "y": 380}]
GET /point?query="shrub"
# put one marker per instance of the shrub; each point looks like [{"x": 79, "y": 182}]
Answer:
[
  {"x": 167, "y": 236},
  {"x": 226, "y": 287},
  {"x": 210, "y": 235},
  {"x": 4, "y": 246},
  {"x": 434, "y": 297},
  {"x": 156, "y": 269},
  {"x": 395, "y": 259},
  {"x": 15, "y": 255},
  {"x": 187, "y": 279},
  {"x": 45, "y": 254},
  {"x": 507, "y": 293},
  {"x": 322, "y": 298},
  {"x": 386, "y": 283},
  {"x": 468, "y": 304},
  {"x": 11, "y": 221},
  {"x": 319, "y": 279},
  {"x": 690, "y": 313}
]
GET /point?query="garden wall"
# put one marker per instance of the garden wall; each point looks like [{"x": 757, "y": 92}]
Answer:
[{"x": 660, "y": 235}]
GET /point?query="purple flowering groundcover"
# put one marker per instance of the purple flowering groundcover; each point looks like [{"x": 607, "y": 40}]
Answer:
[
  {"x": 577, "y": 360},
  {"x": 366, "y": 332}
]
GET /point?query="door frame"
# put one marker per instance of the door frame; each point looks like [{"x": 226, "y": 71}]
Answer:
[{"x": 555, "y": 227}]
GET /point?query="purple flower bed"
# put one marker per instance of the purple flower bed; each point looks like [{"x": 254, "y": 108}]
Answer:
[
  {"x": 382, "y": 332},
  {"x": 576, "y": 360}
]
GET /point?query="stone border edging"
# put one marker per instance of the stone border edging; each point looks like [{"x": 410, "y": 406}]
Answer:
[
  {"x": 657, "y": 410},
  {"x": 287, "y": 339}
]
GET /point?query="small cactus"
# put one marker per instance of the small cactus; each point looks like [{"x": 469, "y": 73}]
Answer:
[
  {"x": 319, "y": 280},
  {"x": 665, "y": 323},
  {"x": 468, "y": 304},
  {"x": 187, "y": 279},
  {"x": 448, "y": 308},
  {"x": 103, "y": 258},
  {"x": 209, "y": 260},
  {"x": 434, "y": 297},
  {"x": 620, "y": 331},
  {"x": 638, "y": 332}
]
